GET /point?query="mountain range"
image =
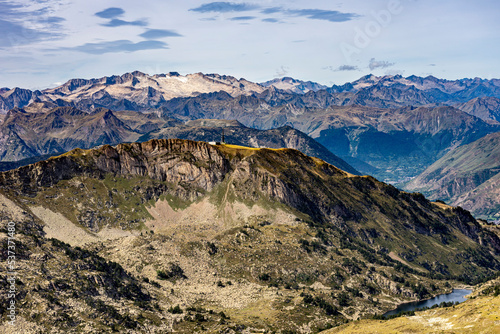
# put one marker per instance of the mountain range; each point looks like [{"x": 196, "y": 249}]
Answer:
[
  {"x": 61, "y": 129},
  {"x": 180, "y": 235},
  {"x": 131, "y": 91},
  {"x": 139, "y": 91},
  {"x": 390, "y": 127}
]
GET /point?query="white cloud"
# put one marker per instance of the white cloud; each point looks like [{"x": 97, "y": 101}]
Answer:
[{"x": 374, "y": 64}]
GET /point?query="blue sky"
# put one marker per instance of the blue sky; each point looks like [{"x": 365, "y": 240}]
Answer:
[{"x": 44, "y": 43}]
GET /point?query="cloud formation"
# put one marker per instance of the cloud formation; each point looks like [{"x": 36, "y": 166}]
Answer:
[
  {"x": 271, "y": 20},
  {"x": 272, "y": 10},
  {"x": 283, "y": 71},
  {"x": 242, "y": 18},
  {"x": 118, "y": 46},
  {"x": 159, "y": 33},
  {"x": 14, "y": 34},
  {"x": 314, "y": 14},
  {"x": 347, "y": 68},
  {"x": 320, "y": 14},
  {"x": 374, "y": 64},
  {"x": 110, "y": 13},
  {"x": 114, "y": 12},
  {"x": 224, "y": 7},
  {"x": 15, "y": 22},
  {"x": 394, "y": 72},
  {"x": 118, "y": 23}
]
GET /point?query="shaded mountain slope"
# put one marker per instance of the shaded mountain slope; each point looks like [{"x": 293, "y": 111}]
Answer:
[
  {"x": 486, "y": 108},
  {"x": 467, "y": 176},
  {"x": 59, "y": 130}
]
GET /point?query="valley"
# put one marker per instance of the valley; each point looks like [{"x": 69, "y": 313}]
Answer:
[{"x": 467, "y": 176}]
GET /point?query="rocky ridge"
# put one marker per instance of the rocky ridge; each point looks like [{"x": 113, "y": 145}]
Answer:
[
  {"x": 57, "y": 130},
  {"x": 293, "y": 85},
  {"x": 486, "y": 108},
  {"x": 130, "y": 91}
]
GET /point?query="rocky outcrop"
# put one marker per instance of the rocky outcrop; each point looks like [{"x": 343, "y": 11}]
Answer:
[
  {"x": 238, "y": 134},
  {"x": 197, "y": 164}
]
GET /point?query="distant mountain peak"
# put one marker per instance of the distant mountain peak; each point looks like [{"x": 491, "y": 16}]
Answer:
[
  {"x": 292, "y": 85},
  {"x": 137, "y": 90}
]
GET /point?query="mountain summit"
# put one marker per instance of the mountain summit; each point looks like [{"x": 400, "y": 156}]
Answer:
[{"x": 293, "y": 85}]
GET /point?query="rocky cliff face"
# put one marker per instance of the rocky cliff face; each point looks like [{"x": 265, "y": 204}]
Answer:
[
  {"x": 236, "y": 133},
  {"x": 198, "y": 164}
]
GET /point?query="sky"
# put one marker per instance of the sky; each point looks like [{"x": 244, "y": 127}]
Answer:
[{"x": 44, "y": 43}]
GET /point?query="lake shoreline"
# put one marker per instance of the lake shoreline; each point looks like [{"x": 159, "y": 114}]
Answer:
[{"x": 456, "y": 295}]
